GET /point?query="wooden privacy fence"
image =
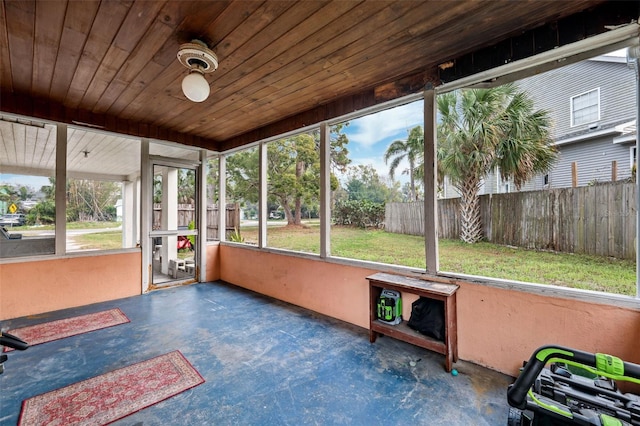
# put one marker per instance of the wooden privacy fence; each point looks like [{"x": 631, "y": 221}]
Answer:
[
  {"x": 598, "y": 220},
  {"x": 186, "y": 213}
]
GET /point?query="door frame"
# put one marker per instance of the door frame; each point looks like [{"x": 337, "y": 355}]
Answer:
[{"x": 148, "y": 162}]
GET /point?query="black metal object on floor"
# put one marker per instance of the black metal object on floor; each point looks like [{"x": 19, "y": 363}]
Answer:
[{"x": 578, "y": 388}]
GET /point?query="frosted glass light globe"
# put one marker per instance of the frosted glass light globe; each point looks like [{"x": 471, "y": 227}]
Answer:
[{"x": 195, "y": 87}]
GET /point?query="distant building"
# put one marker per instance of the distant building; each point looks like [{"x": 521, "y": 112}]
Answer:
[{"x": 593, "y": 108}]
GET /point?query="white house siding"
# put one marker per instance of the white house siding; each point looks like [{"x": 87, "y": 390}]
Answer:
[{"x": 554, "y": 89}]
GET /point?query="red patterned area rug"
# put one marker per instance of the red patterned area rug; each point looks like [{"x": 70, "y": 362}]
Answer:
[
  {"x": 114, "y": 395},
  {"x": 59, "y": 329}
]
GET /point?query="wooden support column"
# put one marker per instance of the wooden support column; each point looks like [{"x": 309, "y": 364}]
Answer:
[
  {"x": 325, "y": 191},
  {"x": 262, "y": 197},
  {"x": 61, "y": 190},
  {"x": 430, "y": 182},
  {"x": 203, "y": 171},
  {"x": 222, "y": 198},
  {"x": 146, "y": 214}
]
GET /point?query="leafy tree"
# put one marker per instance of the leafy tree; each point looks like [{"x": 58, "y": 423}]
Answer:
[
  {"x": 364, "y": 183},
  {"x": 339, "y": 153},
  {"x": 49, "y": 191},
  {"x": 293, "y": 172},
  {"x": 411, "y": 149},
  {"x": 186, "y": 186},
  {"x": 42, "y": 213},
  {"x": 90, "y": 200},
  {"x": 45, "y": 211},
  {"x": 243, "y": 176},
  {"x": 481, "y": 129},
  {"x": 293, "y": 168},
  {"x": 25, "y": 193},
  {"x": 8, "y": 193}
]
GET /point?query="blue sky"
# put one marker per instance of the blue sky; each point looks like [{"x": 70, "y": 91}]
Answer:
[
  {"x": 370, "y": 136},
  {"x": 35, "y": 182}
]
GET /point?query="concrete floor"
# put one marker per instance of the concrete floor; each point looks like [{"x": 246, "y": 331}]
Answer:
[{"x": 265, "y": 363}]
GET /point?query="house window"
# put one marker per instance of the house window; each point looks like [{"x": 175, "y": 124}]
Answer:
[{"x": 585, "y": 108}]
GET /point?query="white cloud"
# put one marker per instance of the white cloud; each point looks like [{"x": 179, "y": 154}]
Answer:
[{"x": 371, "y": 129}]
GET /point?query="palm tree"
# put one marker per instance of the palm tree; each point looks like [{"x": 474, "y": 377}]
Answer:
[
  {"x": 483, "y": 129},
  {"x": 412, "y": 149}
]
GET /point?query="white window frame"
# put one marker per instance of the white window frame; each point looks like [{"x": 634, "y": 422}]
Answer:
[{"x": 572, "y": 110}]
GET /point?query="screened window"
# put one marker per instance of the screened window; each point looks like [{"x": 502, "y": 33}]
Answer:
[
  {"x": 585, "y": 108},
  {"x": 293, "y": 192},
  {"x": 27, "y": 188},
  {"x": 243, "y": 191},
  {"x": 102, "y": 191},
  {"x": 377, "y": 196}
]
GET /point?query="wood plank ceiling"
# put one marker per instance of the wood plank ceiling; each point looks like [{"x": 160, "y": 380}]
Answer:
[{"x": 283, "y": 64}]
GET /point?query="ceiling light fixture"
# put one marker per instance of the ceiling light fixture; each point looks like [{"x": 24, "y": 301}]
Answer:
[{"x": 199, "y": 59}]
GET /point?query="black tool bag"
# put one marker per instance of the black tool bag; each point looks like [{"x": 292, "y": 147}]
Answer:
[{"x": 427, "y": 317}]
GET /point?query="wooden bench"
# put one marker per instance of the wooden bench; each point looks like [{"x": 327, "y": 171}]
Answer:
[{"x": 423, "y": 288}]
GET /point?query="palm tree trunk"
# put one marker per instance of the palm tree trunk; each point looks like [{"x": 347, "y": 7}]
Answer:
[
  {"x": 412, "y": 181},
  {"x": 470, "y": 220}
]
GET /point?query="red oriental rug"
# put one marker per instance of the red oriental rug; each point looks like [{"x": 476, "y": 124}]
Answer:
[
  {"x": 54, "y": 330},
  {"x": 114, "y": 395}
]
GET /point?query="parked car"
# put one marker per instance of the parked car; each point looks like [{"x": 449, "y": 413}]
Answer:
[{"x": 16, "y": 219}]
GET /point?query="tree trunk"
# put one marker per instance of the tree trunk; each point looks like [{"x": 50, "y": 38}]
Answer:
[
  {"x": 298, "y": 211},
  {"x": 298, "y": 198},
  {"x": 287, "y": 211},
  {"x": 470, "y": 220},
  {"x": 412, "y": 181}
]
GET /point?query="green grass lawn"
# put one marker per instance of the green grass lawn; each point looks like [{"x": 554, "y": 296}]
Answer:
[
  {"x": 484, "y": 259},
  {"x": 110, "y": 240}
]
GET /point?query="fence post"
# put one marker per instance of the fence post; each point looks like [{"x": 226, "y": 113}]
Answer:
[
  {"x": 574, "y": 174},
  {"x": 614, "y": 171}
]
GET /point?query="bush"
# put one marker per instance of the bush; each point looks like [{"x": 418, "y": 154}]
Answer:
[
  {"x": 359, "y": 213},
  {"x": 42, "y": 213}
]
